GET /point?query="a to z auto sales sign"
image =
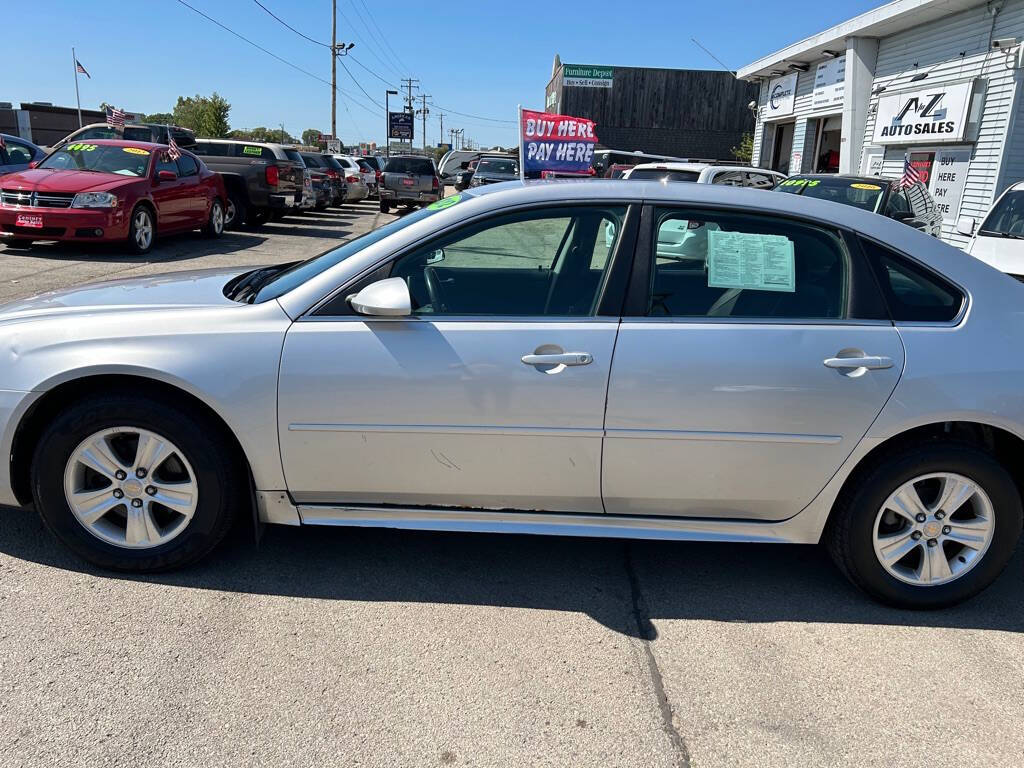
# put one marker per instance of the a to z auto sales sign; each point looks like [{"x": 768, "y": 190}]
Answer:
[
  {"x": 556, "y": 142},
  {"x": 927, "y": 116}
]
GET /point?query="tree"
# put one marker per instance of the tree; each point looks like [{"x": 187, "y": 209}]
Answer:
[
  {"x": 163, "y": 118},
  {"x": 311, "y": 137},
  {"x": 206, "y": 116},
  {"x": 262, "y": 134},
  {"x": 745, "y": 151}
]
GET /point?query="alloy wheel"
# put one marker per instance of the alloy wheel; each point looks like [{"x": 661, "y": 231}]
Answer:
[
  {"x": 130, "y": 487},
  {"x": 933, "y": 529},
  {"x": 143, "y": 229},
  {"x": 217, "y": 217}
]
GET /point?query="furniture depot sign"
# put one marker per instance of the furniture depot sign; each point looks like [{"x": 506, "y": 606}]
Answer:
[
  {"x": 587, "y": 76},
  {"x": 781, "y": 94},
  {"x": 937, "y": 113}
]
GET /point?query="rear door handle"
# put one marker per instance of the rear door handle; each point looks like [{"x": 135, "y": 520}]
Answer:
[
  {"x": 871, "y": 362},
  {"x": 562, "y": 358}
]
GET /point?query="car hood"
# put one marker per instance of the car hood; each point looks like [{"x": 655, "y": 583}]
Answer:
[
  {"x": 1003, "y": 253},
  {"x": 48, "y": 180},
  {"x": 199, "y": 288}
]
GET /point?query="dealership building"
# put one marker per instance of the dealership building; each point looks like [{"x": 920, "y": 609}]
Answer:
[
  {"x": 937, "y": 82},
  {"x": 680, "y": 112}
]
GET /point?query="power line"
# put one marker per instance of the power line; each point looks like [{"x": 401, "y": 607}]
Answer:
[
  {"x": 360, "y": 87},
  {"x": 283, "y": 61},
  {"x": 369, "y": 48},
  {"x": 293, "y": 29},
  {"x": 382, "y": 36},
  {"x": 369, "y": 33},
  {"x": 474, "y": 117},
  {"x": 386, "y": 82}
]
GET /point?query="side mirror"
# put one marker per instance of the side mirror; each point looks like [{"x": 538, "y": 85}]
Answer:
[
  {"x": 166, "y": 176},
  {"x": 33, "y": 164},
  {"x": 385, "y": 298},
  {"x": 902, "y": 215},
  {"x": 965, "y": 225}
]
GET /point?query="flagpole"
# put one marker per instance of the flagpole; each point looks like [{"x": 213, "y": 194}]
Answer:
[
  {"x": 522, "y": 168},
  {"x": 78, "y": 101}
]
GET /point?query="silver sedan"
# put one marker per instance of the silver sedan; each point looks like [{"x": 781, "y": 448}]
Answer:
[{"x": 541, "y": 358}]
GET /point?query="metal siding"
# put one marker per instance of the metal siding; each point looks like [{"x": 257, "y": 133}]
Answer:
[{"x": 935, "y": 48}]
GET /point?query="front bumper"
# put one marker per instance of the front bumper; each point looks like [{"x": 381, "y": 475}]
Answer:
[
  {"x": 13, "y": 406},
  {"x": 65, "y": 223}
]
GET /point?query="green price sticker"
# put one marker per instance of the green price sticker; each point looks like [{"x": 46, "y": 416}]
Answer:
[
  {"x": 80, "y": 147},
  {"x": 445, "y": 202},
  {"x": 252, "y": 151}
]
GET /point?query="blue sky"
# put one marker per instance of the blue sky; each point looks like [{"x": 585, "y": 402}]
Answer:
[{"x": 478, "y": 58}]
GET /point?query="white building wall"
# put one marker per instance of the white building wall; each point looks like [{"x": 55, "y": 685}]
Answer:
[{"x": 936, "y": 48}]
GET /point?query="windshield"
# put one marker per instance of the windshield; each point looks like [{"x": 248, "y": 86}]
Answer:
[
  {"x": 331, "y": 162},
  {"x": 296, "y": 275},
  {"x": 1007, "y": 218},
  {"x": 409, "y": 165},
  {"x": 491, "y": 165},
  {"x": 663, "y": 174},
  {"x": 98, "y": 158},
  {"x": 860, "y": 193}
]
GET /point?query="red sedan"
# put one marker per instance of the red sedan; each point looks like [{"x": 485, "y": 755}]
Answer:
[{"x": 125, "y": 191}]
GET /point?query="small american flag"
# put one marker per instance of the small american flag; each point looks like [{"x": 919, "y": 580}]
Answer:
[
  {"x": 115, "y": 117},
  {"x": 910, "y": 175},
  {"x": 80, "y": 69},
  {"x": 173, "y": 151},
  {"x": 3, "y": 143}
]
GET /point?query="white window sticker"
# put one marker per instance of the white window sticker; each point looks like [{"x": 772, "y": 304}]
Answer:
[{"x": 755, "y": 262}]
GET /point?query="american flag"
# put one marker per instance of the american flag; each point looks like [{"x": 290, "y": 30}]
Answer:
[
  {"x": 2, "y": 142},
  {"x": 173, "y": 151},
  {"x": 81, "y": 69},
  {"x": 115, "y": 117},
  {"x": 910, "y": 175}
]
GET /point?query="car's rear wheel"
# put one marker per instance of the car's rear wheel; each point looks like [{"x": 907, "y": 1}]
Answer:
[
  {"x": 215, "y": 221},
  {"x": 141, "y": 230},
  {"x": 384, "y": 207},
  {"x": 927, "y": 528},
  {"x": 236, "y": 210},
  {"x": 135, "y": 484}
]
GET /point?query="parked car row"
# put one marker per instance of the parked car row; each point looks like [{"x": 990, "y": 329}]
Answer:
[{"x": 90, "y": 187}]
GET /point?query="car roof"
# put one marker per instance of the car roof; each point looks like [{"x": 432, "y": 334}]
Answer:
[
  {"x": 243, "y": 141},
  {"x": 668, "y": 165},
  {"x": 149, "y": 145}
]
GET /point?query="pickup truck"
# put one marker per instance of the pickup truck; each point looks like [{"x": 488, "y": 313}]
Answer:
[
  {"x": 262, "y": 180},
  {"x": 410, "y": 181}
]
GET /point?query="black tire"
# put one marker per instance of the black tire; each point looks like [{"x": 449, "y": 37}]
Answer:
[
  {"x": 134, "y": 246},
  {"x": 236, "y": 211},
  {"x": 219, "y": 475},
  {"x": 384, "y": 207},
  {"x": 257, "y": 217},
  {"x": 849, "y": 536},
  {"x": 215, "y": 221},
  {"x": 17, "y": 242}
]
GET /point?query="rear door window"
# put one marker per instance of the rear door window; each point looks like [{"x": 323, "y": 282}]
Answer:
[
  {"x": 187, "y": 166},
  {"x": 212, "y": 149},
  {"x": 17, "y": 153},
  {"x": 730, "y": 178},
  {"x": 913, "y": 292},
  {"x": 137, "y": 133}
]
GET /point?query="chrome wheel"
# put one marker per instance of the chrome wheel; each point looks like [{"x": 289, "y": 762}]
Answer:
[
  {"x": 130, "y": 487},
  {"x": 217, "y": 217},
  {"x": 230, "y": 213},
  {"x": 143, "y": 224},
  {"x": 933, "y": 529}
]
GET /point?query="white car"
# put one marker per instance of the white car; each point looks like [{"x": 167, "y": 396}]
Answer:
[
  {"x": 707, "y": 173},
  {"x": 999, "y": 240},
  {"x": 357, "y": 187}
]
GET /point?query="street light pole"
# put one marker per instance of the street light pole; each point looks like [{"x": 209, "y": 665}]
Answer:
[
  {"x": 334, "y": 69},
  {"x": 387, "y": 123}
]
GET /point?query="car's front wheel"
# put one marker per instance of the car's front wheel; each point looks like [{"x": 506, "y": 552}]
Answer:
[
  {"x": 135, "y": 484},
  {"x": 927, "y": 528},
  {"x": 141, "y": 230}
]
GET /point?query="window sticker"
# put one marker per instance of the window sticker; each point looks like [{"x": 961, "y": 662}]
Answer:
[
  {"x": 800, "y": 183},
  {"x": 252, "y": 151},
  {"x": 134, "y": 151},
  {"x": 748, "y": 261},
  {"x": 80, "y": 147},
  {"x": 445, "y": 202},
  {"x": 872, "y": 187}
]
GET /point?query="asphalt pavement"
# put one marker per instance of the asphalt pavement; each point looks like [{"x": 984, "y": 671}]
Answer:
[{"x": 329, "y": 647}]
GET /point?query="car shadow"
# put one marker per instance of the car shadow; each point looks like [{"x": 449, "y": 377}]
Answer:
[
  {"x": 617, "y": 583},
  {"x": 177, "y": 247},
  {"x": 340, "y": 229}
]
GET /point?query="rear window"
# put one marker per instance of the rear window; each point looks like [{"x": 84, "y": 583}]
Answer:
[
  {"x": 914, "y": 293},
  {"x": 253, "y": 150},
  {"x": 212, "y": 149},
  {"x": 137, "y": 133},
  {"x": 662, "y": 174},
  {"x": 331, "y": 162},
  {"x": 497, "y": 165},
  {"x": 373, "y": 162},
  {"x": 295, "y": 157},
  {"x": 415, "y": 165},
  {"x": 311, "y": 161}
]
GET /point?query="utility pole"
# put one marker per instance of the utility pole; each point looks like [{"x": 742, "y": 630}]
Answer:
[
  {"x": 441, "y": 116},
  {"x": 337, "y": 49},
  {"x": 424, "y": 112},
  {"x": 387, "y": 120}
]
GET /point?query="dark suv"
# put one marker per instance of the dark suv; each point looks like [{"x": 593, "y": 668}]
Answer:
[
  {"x": 409, "y": 180},
  {"x": 914, "y": 206},
  {"x": 262, "y": 180}
]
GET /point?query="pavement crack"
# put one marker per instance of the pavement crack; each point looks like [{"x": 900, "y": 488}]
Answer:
[{"x": 646, "y": 633}]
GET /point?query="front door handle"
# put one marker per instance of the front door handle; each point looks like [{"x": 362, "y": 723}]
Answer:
[
  {"x": 871, "y": 362},
  {"x": 562, "y": 358}
]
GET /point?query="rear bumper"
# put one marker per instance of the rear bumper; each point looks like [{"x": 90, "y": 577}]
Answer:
[
  {"x": 400, "y": 196},
  {"x": 65, "y": 223},
  {"x": 283, "y": 200}
]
